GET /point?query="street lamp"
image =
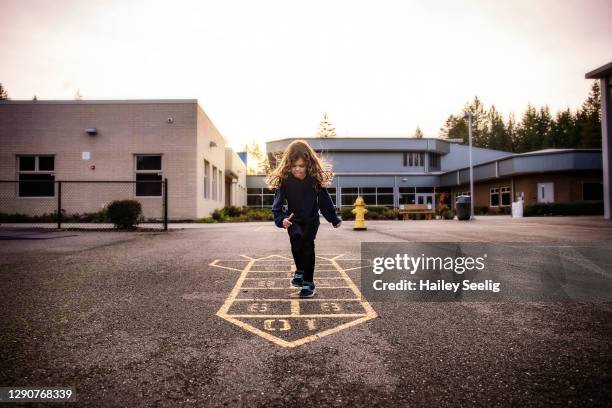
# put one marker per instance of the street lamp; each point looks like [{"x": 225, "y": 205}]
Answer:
[{"x": 469, "y": 118}]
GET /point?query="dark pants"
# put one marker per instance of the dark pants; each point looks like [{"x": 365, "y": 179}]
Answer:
[{"x": 303, "y": 247}]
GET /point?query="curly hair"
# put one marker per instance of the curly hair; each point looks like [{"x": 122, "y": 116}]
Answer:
[{"x": 318, "y": 169}]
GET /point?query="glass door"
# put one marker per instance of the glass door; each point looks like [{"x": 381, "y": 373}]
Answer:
[{"x": 426, "y": 199}]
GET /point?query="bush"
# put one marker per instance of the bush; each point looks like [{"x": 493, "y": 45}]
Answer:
[
  {"x": 391, "y": 214},
  {"x": 574, "y": 208},
  {"x": 346, "y": 213},
  {"x": 259, "y": 214},
  {"x": 447, "y": 214},
  {"x": 233, "y": 211},
  {"x": 206, "y": 220},
  {"x": 124, "y": 213},
  {"x": 481, "y": 210},
  {"x": 376, "y": 209},
  {"x": 219, "y": 216}
]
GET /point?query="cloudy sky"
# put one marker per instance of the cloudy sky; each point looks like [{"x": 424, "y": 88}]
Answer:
[{"x": 269, "y": 69}]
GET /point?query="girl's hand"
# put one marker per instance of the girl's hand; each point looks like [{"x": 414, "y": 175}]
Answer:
[
  {"x": 338, "y": 225},
  {"x": 287, "y": 222}
]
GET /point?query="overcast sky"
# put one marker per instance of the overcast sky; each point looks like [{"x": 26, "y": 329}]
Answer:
[{"x": 269, "y": 69}]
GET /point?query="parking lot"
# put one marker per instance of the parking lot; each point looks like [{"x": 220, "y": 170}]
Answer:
[{"x": 203, "y": 315}]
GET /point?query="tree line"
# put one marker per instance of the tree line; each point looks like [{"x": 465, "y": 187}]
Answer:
[{"x": 536, "y": 130}]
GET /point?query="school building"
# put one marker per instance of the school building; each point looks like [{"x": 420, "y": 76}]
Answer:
[
  {"x": 396, "y": 171},
  {"x": 133, "y": 140}
]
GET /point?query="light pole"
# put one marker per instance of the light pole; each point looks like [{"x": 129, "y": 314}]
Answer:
[{"x": 469, "y": 118}]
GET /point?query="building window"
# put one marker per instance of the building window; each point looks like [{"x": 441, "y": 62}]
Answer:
[
  {"x": 348, "y": 195},
  {"x": 37, "y": 175},
  {"x": 221, "y": 185},
  {"x": 260, "y": 197},
  {"x": 499, "y": 196},
  {"x": 254, "y": 197},
  {"x": 214, "y": 182},
  {"x": 384, "y": 196},
  {"x": 434, "y": 161},
  {"x": 206, "y": 179},
  {"x": 371, "y": 196},
  {"x": 592, "y": 191},
  {"x": 148, "y": 175},
  {"x": 416, "y": 159},
  {"x": 494, "y": 197},
  {"x": 505, "y": 196},
  {"x": 407, "y": 195},
  {"x": 405, "y": 159},
  {"x": 332, "y": 194}
]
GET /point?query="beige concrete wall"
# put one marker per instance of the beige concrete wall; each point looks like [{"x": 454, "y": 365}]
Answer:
[
  {"x": 237, "y": 192},
  {"x": 125, "y": 128},
  {"x": 206, "y": 133}
]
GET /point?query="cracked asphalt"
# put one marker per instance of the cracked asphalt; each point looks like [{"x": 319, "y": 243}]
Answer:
[{"x": 129, "y": 319}]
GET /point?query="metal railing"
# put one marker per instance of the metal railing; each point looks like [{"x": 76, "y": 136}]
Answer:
[{"x": 80, "y": 204}]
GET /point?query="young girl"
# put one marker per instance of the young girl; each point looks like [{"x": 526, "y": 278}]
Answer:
[{"x": 300, "y": 178}]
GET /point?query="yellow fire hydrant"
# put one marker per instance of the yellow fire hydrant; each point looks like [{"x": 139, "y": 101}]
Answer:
[{"x": 360, "y": 212}]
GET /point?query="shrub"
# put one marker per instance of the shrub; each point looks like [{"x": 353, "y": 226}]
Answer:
[
  {"x": 346, "y": 213},
  {"x": 481, "y": 210},
  {"x": 124, "y": 213},
  {"x": 447, "y": 214},
  {"x": 219, "y": 216},
  {"x": 259, "y": 214},
  {"x": 391, "y": 214},
  {"x": 574, "y": 208},
  {"x": 375, "y": 209},
  {"x": 206, "y": 220},
  {"x": 233, "y": 211}
]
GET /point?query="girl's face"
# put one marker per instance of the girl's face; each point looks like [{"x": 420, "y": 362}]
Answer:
[{"x": 298, "y": 168}]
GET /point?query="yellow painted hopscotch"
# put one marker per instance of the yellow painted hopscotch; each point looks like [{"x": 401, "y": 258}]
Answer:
[{"x": 264, "y": 302}]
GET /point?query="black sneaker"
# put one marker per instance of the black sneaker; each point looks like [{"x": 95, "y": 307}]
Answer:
[
  {"x": 298, "y": 278},
  {"x": 308, "y": 290}
]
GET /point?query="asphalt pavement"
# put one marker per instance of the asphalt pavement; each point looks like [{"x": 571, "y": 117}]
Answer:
[{"x": 203, "y": 315}]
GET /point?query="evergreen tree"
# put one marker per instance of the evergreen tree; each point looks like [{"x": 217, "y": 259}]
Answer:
[
  {"x": 3, "y": 94},
  {"x": 563, "y": 130},
  {"x": 479, "y": 123},
  {"x": 543, "y": 127},
  {"x": 418, "y": 134},
  {"x": 455, "y": 128},
  {"x": 257, "y": 159},
  {"x": 497, "y": 136},
  {"x": 511, "y": 129},
  {"x": 588, "y": 120},
  {"x": 326, "y": 129},
  {"x": 527, "y": 137}
]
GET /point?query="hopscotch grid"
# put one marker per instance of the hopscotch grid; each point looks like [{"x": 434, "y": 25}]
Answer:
[
  {"x": 316, "y": 279},
  {"x": 301, "y": 300},
  {"x": 223, "y": 311},
  {"x": 293, "y": 287},
  {"x": 284, "y": 316}
]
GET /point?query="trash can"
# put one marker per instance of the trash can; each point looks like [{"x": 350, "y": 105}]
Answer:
[
  {"x": 517, "y": 209},
  {"x": 463, "y": 205}
]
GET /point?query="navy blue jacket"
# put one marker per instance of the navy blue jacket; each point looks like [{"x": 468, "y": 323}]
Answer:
[{"x": 304, "y": 200}]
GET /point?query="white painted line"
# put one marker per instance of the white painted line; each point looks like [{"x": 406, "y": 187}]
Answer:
[{"x": 301, "y": 300}]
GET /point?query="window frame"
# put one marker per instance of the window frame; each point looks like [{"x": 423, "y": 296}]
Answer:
[
  {"x": 159, "y": 172},
  {"x": 206, "y": 179},
  {"x": 592, "y": 182},
  {"x": 35, "y": 171}
]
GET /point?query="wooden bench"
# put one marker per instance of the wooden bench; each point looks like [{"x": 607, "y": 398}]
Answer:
[{"x": 407, "y": 209}]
